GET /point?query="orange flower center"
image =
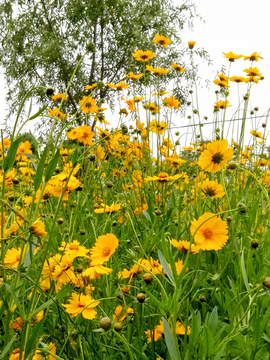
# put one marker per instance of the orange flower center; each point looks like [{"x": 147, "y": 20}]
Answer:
[
  {"x": 106, "y": 251},
  {"x": 163, "y": 175},
  {"x": 217, "y": 158},
  {"x": 65, "y": 264},
  {"x": 207, "y": 234},
  {"x": 81, "y": 304},
  {"x": 18, "y": 257},
  {"x": 74, "y": 247}
]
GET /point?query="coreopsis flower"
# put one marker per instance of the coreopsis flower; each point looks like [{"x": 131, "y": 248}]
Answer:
[
  {"x": 12, "y": 257},
  {"x": 91, "y": 87},
  {"x": 108, "y": 208},
  {"x": 210, "y": 234},
  {"x": 184, "y": 246},
  {"x": 177, "y": 67},
  {"x": 57, "y": 112},
  {"x": 253, "y": 71},
  {"x": 161, "y": 40},
  {"x": 160, "y": 71},
  {"x": 175, "y": 160},
  {"x": 141, "y": 55},
  {"x": 171, "y": 102},
  {"x": 59, "y": 96},
  {"x": 59, "y": 267},
  {"x": 191, "y": 44},
  {"x": 158, "y": 127},
  {"x": 88, "y": 105},
  {"x": 178, "y": 266},
  {"x": 136, "y": 268},
  {"x": 38, "y": 227},
  {"x": 85, "y": 135},
  {"x": 133, "y": 76},
  {"x": 24, "y": 147},
  {"x": 257, "y": 134},
  {"x": 253, "y": 57},
  {"x": 120, "y": 313},
  {"x": 82, "y": 304},
  {"x": 119, "y": 86},
  {"x": 159, "y": 331},
  {"x": 221, "y": 104},
  {"x": 215, "y": 156},
  {"x": 161, "y": 93},
  {"x": 151, "y": 107},
  {"x": 238, "y": 79},
  {"x": 12, "y": 229},
  {"x": 262, "y": 162},
  {"x": 232, "y": 56},
  {"x": 73, "y": 134},
  {"x": 246, "y": 155},
  {"x": 212, "y": 189},
  {"x": 104, "y": 248},
  {"x": 15, "y": 355},
  {"x": 74, "y": 249},
  {"x": 39, "y": 353},
  {"x": 163, "y": 177},
  {"x": 94, "y": 271},
  {"x": 223, "y": 84},
  {"x": 16, "y": 324},
  {"x": 6, "y": 143}
]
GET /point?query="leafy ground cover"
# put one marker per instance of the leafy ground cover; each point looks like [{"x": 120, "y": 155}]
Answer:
[{"x": 123, "y": 243}]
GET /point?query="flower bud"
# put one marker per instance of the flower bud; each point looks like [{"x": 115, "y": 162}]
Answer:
[
  {"x": 118, "y": 326},
  {"x": 266, "y": 282},
  {"x": 141, "y": 297},
  {"x": 105, "y": 323},
  {"x": 148, "y": 278}
]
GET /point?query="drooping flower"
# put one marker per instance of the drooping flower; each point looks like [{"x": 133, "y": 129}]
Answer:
[
  {"x": 210, "y": 234},
  {"x": 161, "y": 40},
  {"x": 257, "y": 134},
  {"x": 91, "y": 87},
  {"x": 191, "y": 44},
  {"x": 104, "y": 248},
  {"x": 83, "y": 304},
  {"x": 38, "y": 227},
  {"x": 215, "y": 156},
  {"x": 94, "y": 271},
  {"x": 141, "y": 55},
  {"x": 253, "y": 57}
]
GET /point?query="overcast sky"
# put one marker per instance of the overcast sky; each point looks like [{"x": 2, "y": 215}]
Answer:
[{"x": 240, "y": 26}]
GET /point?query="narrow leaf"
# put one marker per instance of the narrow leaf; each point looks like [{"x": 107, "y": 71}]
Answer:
[
  {"x": 36, "y": 333},
  {"x": 51, "y": 167},
  {"x": 11, "y": 155},
  {"x": 40, "y": 168},
  {"x": 213, "y": 320},
  {"x": 169, "y": 339},
  {"x": 244, "y": 273},
  {"x": 6, "y": 349},
  {"x": 165, "y": 266},
  {"x": 40, "y": 111},
  {"x": 148, "y": 217},
  {"x": 75, "y": 158}
]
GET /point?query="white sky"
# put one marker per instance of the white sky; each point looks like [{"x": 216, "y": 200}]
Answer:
[{"x": 240, "y": 26}]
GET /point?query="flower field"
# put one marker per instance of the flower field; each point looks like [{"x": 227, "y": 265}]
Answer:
[{"x": 129, "y": 243}]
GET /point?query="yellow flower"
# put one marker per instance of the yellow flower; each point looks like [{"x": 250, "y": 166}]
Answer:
[
  {"x": 215, "y": 156},
  {"x": 38, "y": 228},
  {"x": 253, "y": 57},
  {"x": 177, "y": 67},
  {"x": 161, "y": 40},
  {"x": 141, "y": 55},
  {"x": 252, "y": 71},
  {"x": 74, "y": 249},
  {"x": 210, "y": 234},
  {"x": 171, "y": 102},
  {"x": 163, "y": 177},
  {"x": 213, "y": 189},
  {"x": 39, "y": 356},
  {"x": 15, "y": 355},
  {"x": 184, "y": 246},
  {"x": 220, "y": 83},
  {"x": 59, "y": 96},
  {"x": 108, "y": 208},
  {"x": 104, "y": 248},
  {"x": 151, "y": 107},
  {"x": 119, "y": 86},
  {"x": 158, "y": 127},
  {"x": 88, "y": 105},
  {"x": 12, "y": 257},
  {"x": 90, "y": 87},
  {"x": 191, "y": 44},
  {"x": 85, "y": 135},
  {"x": 56, "y": 112},
  {"x": 160, "y": 71},
  {"x": 132, "y": 76},
  {"x": 257, "y": 134},
  {"x": 24, "y": 147},
  {"x": 232, "y": 56},
  {"x": 83, "y": 304},
  {"x": 94, "y": 271},
  {"x": 221, "y": 104},
  {"x": 238, "y": 79}
]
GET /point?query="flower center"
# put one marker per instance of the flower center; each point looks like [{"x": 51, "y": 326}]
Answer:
[
  {"x": 74, "y": 247},
  {"x": 144, "y": 56},
  {"x": 210, "y": 192},
  {"x": 207, "y": 234},
  {"x": 217, "y": 158},
  {"x": 81, "y": 304},
  {"x": 163, "y": 175},
  {"x": 106, "y": 251}
]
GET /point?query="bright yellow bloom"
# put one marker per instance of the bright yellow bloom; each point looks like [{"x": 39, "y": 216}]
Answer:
[
  {"x": 158, "y": 127},
  {"x": 232, "y": 56},
  {"x": 24, "y": 147},
  {"x": 252, "y": 71},
  {"x": 82, "y": 304},
  {"x": 221, "y": 104},
  {"x": 191, "y": 44},
  {"x": 104, "y": 248},
  {"x": 90, "y": 87},
  {"x": 253, "y": 57},
  {"x": 160, "y": 71},
  {"x": 56, "y": 112},
  {"x": 74, "y": 249},
  {"x": 257, "y": 134},
  {"x": 171, "y": 102},
  {"x": 108, "y": 208},
  {"x": 223, "y": 84},
  {"x": 177, "y": 67},
  {"x": 59, "y": 96},
  {"x": 12, "y": 257},
  {"x": 39, "y": 356},
  {"x": 213, "y": 189},
  {"x": 215, "y": 156},
  {"x": 94, "y": 271},
  {"x": 161, "y": 40},
  {"x": 163, "y": 177},
  {"x": 119, "y": 86},
  {"x": 238, "y": 79},
  {"x": 88, "y": 105},
  {"x": 210, "y": 234},
  {"x": 141, "y": 55},
  {"x": 38, "y": 227},
  {"x": 132, "y": 76},
  {"x": 85, "y": 135},
  {"x": 184, "y": 246}
]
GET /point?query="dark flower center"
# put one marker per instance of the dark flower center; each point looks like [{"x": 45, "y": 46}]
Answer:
[
  {"x": 144, "y": 56},
  {"x": 210, "y": 192},
  {"x": 217, "y": 158}
]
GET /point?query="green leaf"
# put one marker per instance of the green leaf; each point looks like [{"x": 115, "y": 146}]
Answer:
[
  {"x": 51, "y": 167},
  {"x": 40, "y": 111},
  {"x": 262, "y": 354},
  {"x": 31, "y": 156},
  {"x": 36, "y": 333},
  {"x": 156, "y": 301},
  {"x": 6, "y": 349},
  {"x": 148, "y": 217},
  {"x": 193, "y": 337},
  {"x": 213, "y": 320},
  {"x": 244, "y": 273},
  {"x": 166, "y": 268},
  {"x": 11, "y": 155},
  {"x": 15, "y": 298},
  {"x": 40, "y": 168},
  {"x": 169, "y": 340},
  {"x": 75, "y": 158}
]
